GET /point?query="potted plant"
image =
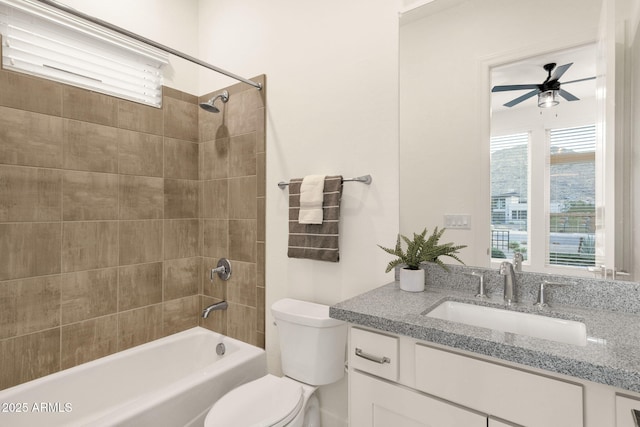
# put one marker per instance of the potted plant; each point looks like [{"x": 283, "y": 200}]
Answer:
[{"x": 420, "y": 249}]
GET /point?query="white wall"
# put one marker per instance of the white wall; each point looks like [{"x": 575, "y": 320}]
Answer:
[
  {"x": 444, "y": 158},
  {"x": 332, "y": 92},
  {"x": 172, "y": 23}
]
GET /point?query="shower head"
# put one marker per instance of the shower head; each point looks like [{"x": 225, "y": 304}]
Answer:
[{"x": 209, "y": 105}]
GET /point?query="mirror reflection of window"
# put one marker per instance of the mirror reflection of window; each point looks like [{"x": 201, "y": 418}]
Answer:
[{"x": 543, "y": 161}]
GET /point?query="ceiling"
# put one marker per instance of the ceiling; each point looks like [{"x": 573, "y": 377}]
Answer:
[{"x": 531, "y": 70}]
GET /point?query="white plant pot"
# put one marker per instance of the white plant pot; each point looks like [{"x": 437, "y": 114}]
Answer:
[{"x": 412, "y": 280}]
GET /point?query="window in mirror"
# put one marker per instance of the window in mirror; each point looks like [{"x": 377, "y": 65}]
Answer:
[
  {"x": 509, "y": 195},
  {"x": 572, "y": 178}
]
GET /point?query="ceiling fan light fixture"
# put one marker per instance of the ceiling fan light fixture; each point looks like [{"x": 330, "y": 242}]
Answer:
[{"x": 548, "y": 99}]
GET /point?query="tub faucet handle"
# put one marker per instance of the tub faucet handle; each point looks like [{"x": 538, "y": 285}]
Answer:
[{"x": 223, "y": 270}]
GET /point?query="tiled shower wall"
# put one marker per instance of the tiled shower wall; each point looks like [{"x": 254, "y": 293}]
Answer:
[
  {"x": 232, "y": 174},
  {"x": 104, "y": 222}
]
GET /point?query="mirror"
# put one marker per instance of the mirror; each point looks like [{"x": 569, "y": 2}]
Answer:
[{"x": 448, "y": 49}]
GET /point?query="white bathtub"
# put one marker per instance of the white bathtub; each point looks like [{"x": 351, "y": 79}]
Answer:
[{"x": 169, "y": 382}]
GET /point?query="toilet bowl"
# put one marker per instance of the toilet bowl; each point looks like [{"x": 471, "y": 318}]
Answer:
[
  {"x": 312, "y": 347},
  {"x": 269, "y": 401}
]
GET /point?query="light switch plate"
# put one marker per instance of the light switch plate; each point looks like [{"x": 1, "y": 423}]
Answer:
[{"x": 458, "y": 221}]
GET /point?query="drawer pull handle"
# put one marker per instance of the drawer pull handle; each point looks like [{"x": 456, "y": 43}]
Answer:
[
  {"x": 381, "y": 360},
  {"x": 636, "y": 417}
]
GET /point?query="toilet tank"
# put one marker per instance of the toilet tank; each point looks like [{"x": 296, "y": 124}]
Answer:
[{"x": 312, "y": 345}]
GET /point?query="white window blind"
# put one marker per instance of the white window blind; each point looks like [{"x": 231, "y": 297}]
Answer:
[
  {"x": 48, "y": 43},
  {"x": 572, "y": 196}
]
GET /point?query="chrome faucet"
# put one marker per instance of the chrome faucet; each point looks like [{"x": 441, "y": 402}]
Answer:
[
  {"x": 506, "y": 269},
  {"x": 222, "y": 305}
]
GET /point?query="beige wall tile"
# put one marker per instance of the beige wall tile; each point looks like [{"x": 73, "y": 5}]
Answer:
[
  {"x": 180, "y": 119},
  {"x": 141, "y": 197},
  {"x": 242, "y": 155},
  {"x": 179, "y": 95},
  {"x": 261, "y": 140},
  {"x": 242, "y": 198},
  {"x": 24, "y": 92},
  {"x": 242, "y": 240},
  {"x": 140, "y": 241},
  {"x": 139, "y": 153},
  {"x": 260, "y": 264},
  {"x": 139, "y": 117},
  {"x": 214, "y": 159},
  {"x": 217, "y": 320},
  {"x": 29, "y": 356},
  {"x": 261, "y": 183},
  {"x": 88, "y": 294},
  {"x": 139, "y": 285},
  {"x": 181, "y": 198},
  {"x": 214, "y": 200},
  {"x": 139, "y": 326},
  {"x": 89, "y": 245},
  {"x": 262, "y": 208},
  {"x": 241, "y": 287},
  {"x": 242, "y": 112},
  {"x": 90, "y": 147},
  {"x": 181, "y": 238},
  {"x": 29, "y": 305},
  {"x": 181, "y": 314},
  {"x": 261, "y": 308},
  {"x": 89, "y": 340},
  {"x": 89, "y": 196},
  {"x": 241, "y": 323},
  {"x": 180, "y": 159},
  {"x": 29, "y": 250},
  {"x": 30, "y": 139},
  {"x": 181, "y": 277},
  {"x": 87, "y": 106},
  {"x": 30, "y": 194},
  {"x": 215, "y": 238}
]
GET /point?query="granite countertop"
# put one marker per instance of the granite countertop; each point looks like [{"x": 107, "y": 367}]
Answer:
[{"x": 611, "y": 355}]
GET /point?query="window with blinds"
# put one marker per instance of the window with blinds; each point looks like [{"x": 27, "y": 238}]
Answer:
[
  {"x": 48, "y": 43},
  {"x": 572, "y": 180},
  {"x": 509, "y": 195}
]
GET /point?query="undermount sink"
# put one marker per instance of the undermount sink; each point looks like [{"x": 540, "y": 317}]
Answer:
[{"x": 533, "y": 325}]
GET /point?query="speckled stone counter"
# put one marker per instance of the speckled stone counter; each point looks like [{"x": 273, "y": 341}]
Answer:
[{"x": 611, "y": 355}]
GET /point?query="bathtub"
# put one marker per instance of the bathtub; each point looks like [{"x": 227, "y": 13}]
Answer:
[{"x": 173, "y": 381}]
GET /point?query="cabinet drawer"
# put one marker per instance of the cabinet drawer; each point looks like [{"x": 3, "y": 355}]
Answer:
[
  {"x": 374, "y": 353},
  {"x": 518, "y": 396},
  {"x": 625, "y": 417}
]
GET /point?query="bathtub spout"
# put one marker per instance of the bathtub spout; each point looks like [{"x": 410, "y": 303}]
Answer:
[{"x": 222, "y": 305}]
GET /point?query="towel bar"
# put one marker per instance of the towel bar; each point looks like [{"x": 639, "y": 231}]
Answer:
[{"x": 365, "y": 179}]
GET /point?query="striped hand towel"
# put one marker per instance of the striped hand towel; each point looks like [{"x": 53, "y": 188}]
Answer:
[{"x": 316, "y": 241}]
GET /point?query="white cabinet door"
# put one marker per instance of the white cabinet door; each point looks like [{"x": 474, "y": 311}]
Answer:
[
  {"x": 377, "y": 403},
  {"x": 624, "y": 416}
]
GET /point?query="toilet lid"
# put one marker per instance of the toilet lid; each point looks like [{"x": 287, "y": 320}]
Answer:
[{"x": 267, "y": 401}]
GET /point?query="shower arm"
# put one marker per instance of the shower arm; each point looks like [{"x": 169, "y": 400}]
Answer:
[{"x": 145, "y": 40}]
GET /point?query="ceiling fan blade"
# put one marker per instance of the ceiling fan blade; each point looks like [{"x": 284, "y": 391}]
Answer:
[
  {"x": 559, "y": 71},
  {"x": 513, "y": 87},
  {"x": 569, "y": 97},
  {"x": 522, "y": 98},
  {"x": 579, "y": 80}
]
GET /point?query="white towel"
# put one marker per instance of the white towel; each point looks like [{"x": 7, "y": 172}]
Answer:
[{"x": 311, "y": 196}]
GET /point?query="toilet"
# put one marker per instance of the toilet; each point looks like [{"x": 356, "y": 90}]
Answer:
[{"x": 312, "y": 347}]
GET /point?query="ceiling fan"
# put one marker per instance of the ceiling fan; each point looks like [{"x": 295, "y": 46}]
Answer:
[{"x": 547, "y": 91}]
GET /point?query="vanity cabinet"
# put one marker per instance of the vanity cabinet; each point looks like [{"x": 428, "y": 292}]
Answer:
[
  {"x": 379, "y": 403},
  {"x": 624, "y": 415},
  {"x": 398, "y": 381}
]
